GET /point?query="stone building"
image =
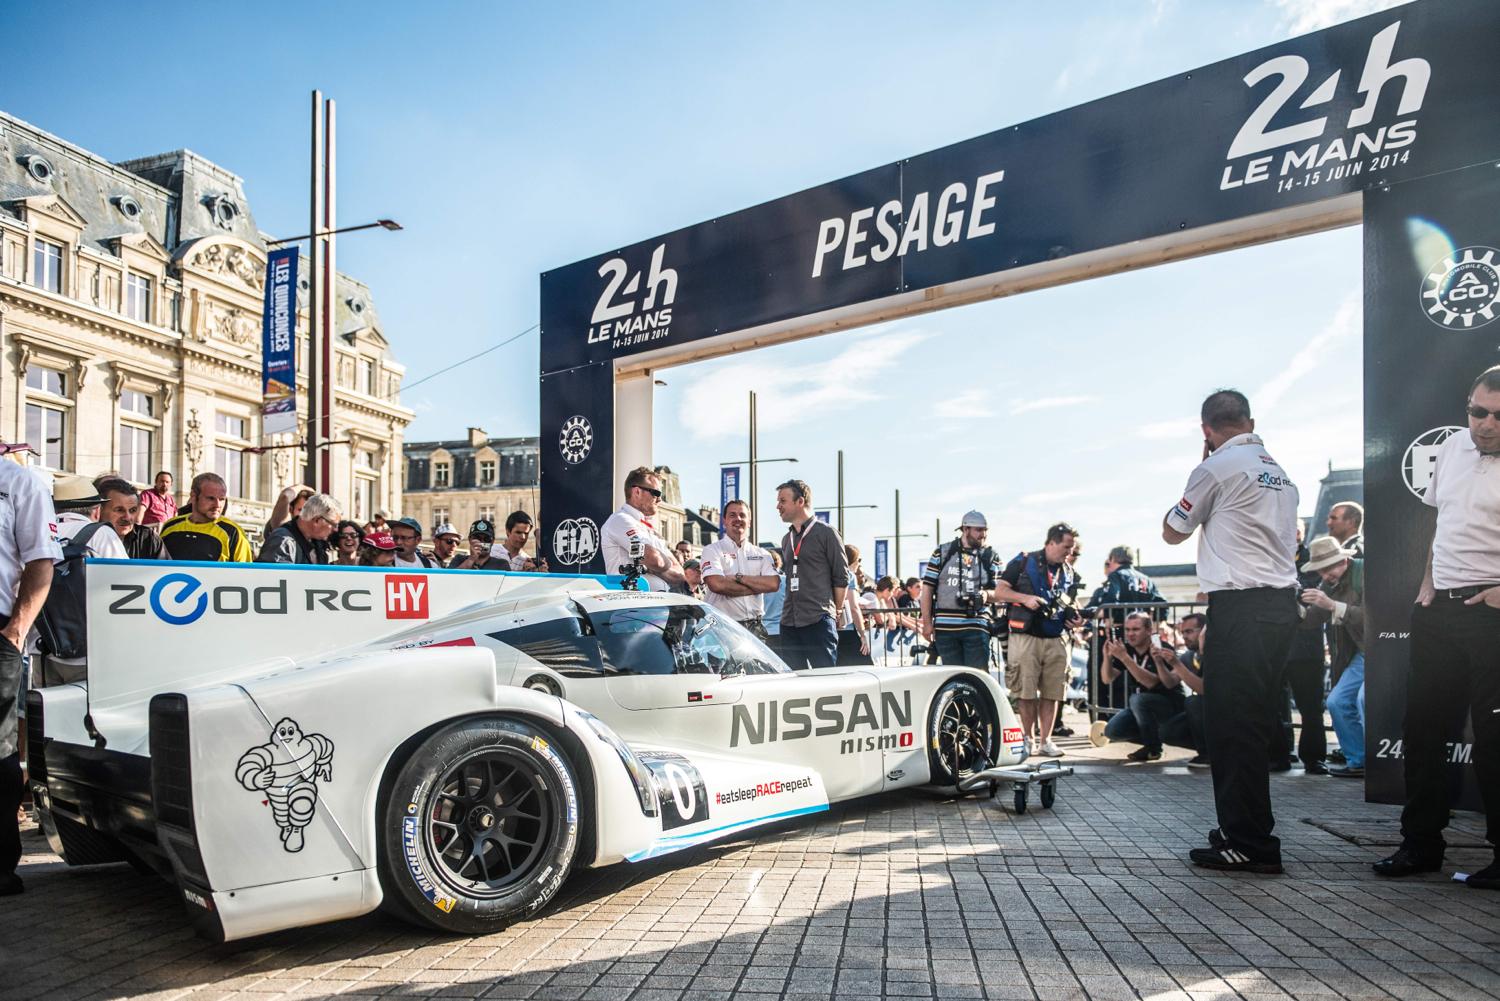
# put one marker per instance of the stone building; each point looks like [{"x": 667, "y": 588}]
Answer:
[
  {"x": 463, "y": 479},
  {"x": 131, "y": 297}
]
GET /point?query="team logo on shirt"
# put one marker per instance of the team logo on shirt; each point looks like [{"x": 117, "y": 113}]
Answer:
[
  {"x": 1421, "y": 458},
  {"x": 575, "y": 541},
  {"x": 576, "y": 439},
  {"x": 1462, "y": 288}
]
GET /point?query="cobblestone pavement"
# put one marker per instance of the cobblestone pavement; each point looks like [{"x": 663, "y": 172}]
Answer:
[{"x": 901, "y": 896}]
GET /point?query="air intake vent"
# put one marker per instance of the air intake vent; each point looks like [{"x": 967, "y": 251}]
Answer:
[
  {"x": 171, "y": 757},
  {"x": 36, "y": 740}
]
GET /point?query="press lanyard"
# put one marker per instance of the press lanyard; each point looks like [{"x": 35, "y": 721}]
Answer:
[{"x": 797, "y": 545}]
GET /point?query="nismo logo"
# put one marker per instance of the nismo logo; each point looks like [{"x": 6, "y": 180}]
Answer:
[{"x": 793, "y": 719}]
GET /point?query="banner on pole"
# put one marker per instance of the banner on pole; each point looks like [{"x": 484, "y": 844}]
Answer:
[
  {"x": 729, "y": 489},
  {"x": 826, "y": 517},
  {"x": 278, "y": 351},
  {"x": 882, "y": 558}
]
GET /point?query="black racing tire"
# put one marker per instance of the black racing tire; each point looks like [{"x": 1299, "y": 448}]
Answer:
[
  {"x": 481, "y": 826},
  {"x": 963, "y": 733}
]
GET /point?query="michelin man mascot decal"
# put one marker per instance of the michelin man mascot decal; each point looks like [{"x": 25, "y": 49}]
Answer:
[{"x": 290, "y": 784}]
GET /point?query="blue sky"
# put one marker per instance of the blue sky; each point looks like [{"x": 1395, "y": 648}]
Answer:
[{"x": 511, "y": 139}]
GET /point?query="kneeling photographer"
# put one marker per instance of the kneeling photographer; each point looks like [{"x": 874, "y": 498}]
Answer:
[{"x": 959, "y": 588}]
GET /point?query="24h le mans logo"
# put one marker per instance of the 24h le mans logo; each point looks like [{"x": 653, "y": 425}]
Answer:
[
  {"x": 576, "y": 439},
  {"x": 1462, "y": 288}
]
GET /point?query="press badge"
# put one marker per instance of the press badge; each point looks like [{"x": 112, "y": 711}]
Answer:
[{"x": 792, "y": 583}]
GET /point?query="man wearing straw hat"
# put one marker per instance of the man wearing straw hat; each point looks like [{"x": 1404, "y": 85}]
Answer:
[{"x": 1340, "y": 604}]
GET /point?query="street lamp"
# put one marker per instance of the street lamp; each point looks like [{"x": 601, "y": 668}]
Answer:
[{"x": 388, "y": 224}]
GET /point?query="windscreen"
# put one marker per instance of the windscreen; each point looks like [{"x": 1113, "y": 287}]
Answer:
[{"x": 680, "y": 639}]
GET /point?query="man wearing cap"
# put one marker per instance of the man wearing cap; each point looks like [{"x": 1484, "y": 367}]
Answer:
[
  {"x": 958, "y": 590},
  {"x": 1339, "y": 603},
  {"x": 28, "y": 549},
  {"x": 739, "y": 574},
  {"x": 407, "y": 533},
  {"x": 377, "y": 549},
  {"x": 304, "y": 539},
  {"x": 633, "y": 521},
  {"x": 1455, "y": 659},
  {"x": 481, "y": 539},
  {"x": 1244, "y": 507},
  {"x": 202, "y": 532},
  {"x": 445, "y": 541},
  {"x": 77, "y": 504}
]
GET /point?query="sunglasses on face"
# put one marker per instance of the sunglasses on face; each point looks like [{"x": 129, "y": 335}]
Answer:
[
  {"x": 652, "y": 491},
  {"x": 1479, "y": 413},
  {"x": 349, "y": 535}
]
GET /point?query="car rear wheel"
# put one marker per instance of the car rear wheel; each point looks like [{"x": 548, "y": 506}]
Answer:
[
  {"x": 963, "y": 733},
  {"x": 481, "y": 826}
]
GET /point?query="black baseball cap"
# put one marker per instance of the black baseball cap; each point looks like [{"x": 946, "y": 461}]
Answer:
[{"x": 483, "y": 529}]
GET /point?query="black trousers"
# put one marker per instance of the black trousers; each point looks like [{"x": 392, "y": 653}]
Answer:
[
  {"x": 10, "y": 758},
  {"x": 1304, "y": 676},
  {"x": 1249, "y": 634},
  {"x": 1455, "y": 672}
]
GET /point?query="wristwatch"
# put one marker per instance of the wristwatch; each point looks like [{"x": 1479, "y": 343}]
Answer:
[{"x": 739, "y": 579}]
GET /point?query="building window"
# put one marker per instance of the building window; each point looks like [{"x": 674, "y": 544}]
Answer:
[
  {"x": 47, "y": 407},
  {"x": 441, "y": 474},
  {"x": 46, "y": 265},
  {"x": 364, "y": 497},
  {"x": 487, "y": 512},
  {"x": 231, "y": 461},
  {"x": 137, "y": 435},
  {"x": 138, "y": 297},
  {"x": 364, "y": 459},
  {"x": 487, "y": 473},
  {"x": 439, "y": 517},
  {"x": 366, "y": 379}
]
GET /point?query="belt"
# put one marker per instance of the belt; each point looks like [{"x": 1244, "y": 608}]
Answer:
[{"x": 1463, "y": 593}]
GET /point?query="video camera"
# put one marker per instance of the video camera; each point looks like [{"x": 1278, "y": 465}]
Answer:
[{"x": 636, "y": 568}]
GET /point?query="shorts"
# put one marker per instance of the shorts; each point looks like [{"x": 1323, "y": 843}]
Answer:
[{"x": 1039, "y": 666}]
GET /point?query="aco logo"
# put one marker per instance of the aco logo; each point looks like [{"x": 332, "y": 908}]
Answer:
[
  {"x": 1463, "y": 288},
  {"x": 1421, "y": 457},
  {"x": 575, "y": 541},
  {"x": 576, "y": 439}
]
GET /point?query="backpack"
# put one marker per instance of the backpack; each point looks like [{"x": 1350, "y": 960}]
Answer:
[{"x": 62, "y": 626}]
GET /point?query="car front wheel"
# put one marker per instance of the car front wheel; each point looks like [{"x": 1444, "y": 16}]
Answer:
[
  {"x": 481, "y": 826},
  {"x": 963, "y": 735}
]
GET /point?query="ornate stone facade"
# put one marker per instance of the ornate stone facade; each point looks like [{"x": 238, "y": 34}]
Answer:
[{"x": 131, "y": 297}]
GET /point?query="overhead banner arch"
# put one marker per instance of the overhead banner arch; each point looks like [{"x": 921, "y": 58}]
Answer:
[{"x": 1387, "y": 119}]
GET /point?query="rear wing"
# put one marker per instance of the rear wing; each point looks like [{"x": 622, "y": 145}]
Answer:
[{"x": 156, "y": 626}]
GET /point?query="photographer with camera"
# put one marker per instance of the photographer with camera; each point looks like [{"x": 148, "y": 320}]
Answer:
[
  {"x": 658, "y": 567},
  {"x": 958, "y": 588},
  {"x": 1158, "y": 696},
  {"x": 1123, "y": 583},
  {"x": 1037, "y": 586}
]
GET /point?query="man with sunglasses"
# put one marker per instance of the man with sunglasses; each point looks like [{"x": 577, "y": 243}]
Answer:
[
  {"x": 1455, "y": 659},
  {"x": 304, "y": 539},
  {"x": 634, "y": 521}
]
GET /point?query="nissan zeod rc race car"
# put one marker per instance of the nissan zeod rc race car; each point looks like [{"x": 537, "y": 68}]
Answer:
[{"x": 458, "y": 769}]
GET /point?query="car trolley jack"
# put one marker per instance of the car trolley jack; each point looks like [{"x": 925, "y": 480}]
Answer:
[{"x": 1021, "y": 777}]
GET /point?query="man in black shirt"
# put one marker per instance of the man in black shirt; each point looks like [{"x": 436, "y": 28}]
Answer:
[
  {"x": 122, "y": 503},
  {"x": 1158, "y": 697},
  {"x": 304, "y": 539},
  {"x": 1036, "y": 585}
]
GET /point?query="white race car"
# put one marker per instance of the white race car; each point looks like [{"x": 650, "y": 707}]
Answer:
[{"x": 458, "y": 769}]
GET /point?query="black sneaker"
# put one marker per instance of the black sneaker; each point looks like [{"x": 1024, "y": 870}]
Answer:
[
  {"x": 1143, "y": 754},
  {"x": 1315, "y": 768},
  {"x": 1336, "y": 757},
  {"x": 1284, "y": 765},
  {"x": 1062, "y": 731},
  {"x": 1229, "y": 859},
  {"x": 1487, "y": 878},
  {"x": 1200, "y": 761},
  {"x": 1216, "y": 838},
  {"x": 1347, "y": 772},
  {"x": 1406, "y": 862}
]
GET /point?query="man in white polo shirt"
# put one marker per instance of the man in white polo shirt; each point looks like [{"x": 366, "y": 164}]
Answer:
[
  {"x": 633, "y": 521},
  {"x": 1245, "y": 508},
  {"x": 28, "y": 548},
  {"x": 737, "y": 572},
  {"x": 1455, "y": 642}
]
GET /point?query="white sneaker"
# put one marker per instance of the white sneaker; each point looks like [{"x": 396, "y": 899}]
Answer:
[
  {"x": 1031, "y": 747},
  {"x": 1050, "y": 750}
]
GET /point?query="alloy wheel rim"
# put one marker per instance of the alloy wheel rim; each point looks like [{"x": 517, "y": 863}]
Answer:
[
  {"x": 965, "y": 735},
  {"x": 488, "y": 820}
]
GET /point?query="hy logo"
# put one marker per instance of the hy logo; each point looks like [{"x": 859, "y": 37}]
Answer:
[
  {"x": 1462, "y": 288},
  {"x": 185, "y": 605}
]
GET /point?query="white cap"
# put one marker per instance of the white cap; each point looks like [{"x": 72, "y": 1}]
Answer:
[
  {"x": 973, "y": 520},
  {"x": 446, "y": 528}
]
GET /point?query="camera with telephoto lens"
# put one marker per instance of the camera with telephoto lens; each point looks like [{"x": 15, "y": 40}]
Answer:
[
  {"x": 636, "y": 568},
  {"x": 1058, "y": 606},
  {"x": 968, "y": 595}
]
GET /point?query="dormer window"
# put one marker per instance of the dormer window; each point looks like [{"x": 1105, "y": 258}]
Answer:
[
  {"x": 129, "y": 207},
  {"x": 38, "y": 167},
  {"x": 224, "y": 211},
  {"x": 442, "y": 474}
]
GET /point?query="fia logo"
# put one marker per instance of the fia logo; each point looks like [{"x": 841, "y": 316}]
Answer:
[
  {"x": 576, "y": 439},
  {"x": 1291, "y": 71},
  {"x": 1421, "y": 457},
  {"x": 575, "y": 541},
  {"x": 1462, "y": 286},
  {"x": 615, "y": 316}
]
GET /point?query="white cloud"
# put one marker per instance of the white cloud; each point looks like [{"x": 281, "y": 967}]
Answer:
[
  {"x": 1053, "y": 496},
  {"x": 1185, "y": 427},
  {"x": 1301, "y": 16},
  {"x": 1344, "y": 325},
  {"x": 713, "y": 405},
  {"x": 1049, "y": 403},
  {"x": 961, "y": 406}
]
